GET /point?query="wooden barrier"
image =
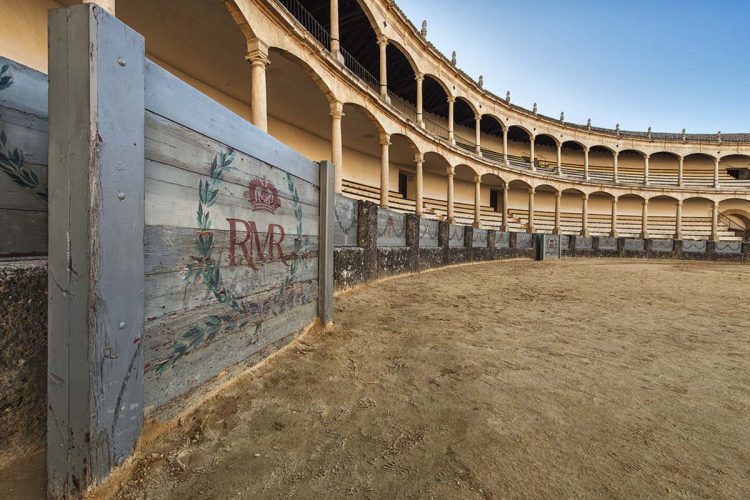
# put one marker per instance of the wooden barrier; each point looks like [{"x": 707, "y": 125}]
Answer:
[{"x": 184, "y": 242}]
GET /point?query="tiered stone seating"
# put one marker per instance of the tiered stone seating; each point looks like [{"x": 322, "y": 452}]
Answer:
[{"x": 693, "y": 228}]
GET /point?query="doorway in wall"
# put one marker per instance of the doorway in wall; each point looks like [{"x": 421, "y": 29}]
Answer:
[
  {"x": 494, "y": 204},
  {"x": 403, "y": 182}
]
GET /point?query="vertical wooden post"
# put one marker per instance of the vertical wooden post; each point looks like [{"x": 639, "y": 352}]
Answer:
[
  {"x": 325, "y": 242},
  {"x": 96, "y": 258}
]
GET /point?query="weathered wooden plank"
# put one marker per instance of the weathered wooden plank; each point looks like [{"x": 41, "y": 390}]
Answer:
[
  {"x": 167, "y": 95},
  {"x": 170, "y": 204},
  {"x": 96, "y": 278},
  {"x": 29, "y": 133},
  {"x": 208, "y": 358},
  {"x": 27, "y": 91},
  {"x": 172, "y": 144},
  {"x": 24, "y": 233},
  {"x": 325, "y": 249}
]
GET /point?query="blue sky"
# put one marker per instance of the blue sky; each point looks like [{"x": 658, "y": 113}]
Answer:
[{"x": 668, "y": 64}]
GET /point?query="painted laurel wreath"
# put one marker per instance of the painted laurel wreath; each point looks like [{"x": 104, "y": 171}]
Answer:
[
  {"x": 12, "y": 162},
  {"x": 206, "y": 268}
]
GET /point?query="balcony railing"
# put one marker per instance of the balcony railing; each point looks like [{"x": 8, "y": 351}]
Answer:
[
  {"x": 308, "y": 21},
  {"x": 359, "y": 70}
]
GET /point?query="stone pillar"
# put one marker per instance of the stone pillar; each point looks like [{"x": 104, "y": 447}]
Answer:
[
  {"x": 586, "y": 163},
  {"x": 715, "y": 221},
  {"x": 450, "y": 171},
  {"x": 558, "y": 203},
  {"x": 478, "y": 134},
  {"x": 585, "y": 215},
  {"x": 531, "y": 155},
  {"x": 420, "y": 112},
  {"x": 385, "y": 171},
  {"x": 505, "y": 145},
  {"x": 681, "y": 172},
  {"x": 530, "y": 227},
  {"x": 335, "y": 45},
  {"x": 419, "y": 161},
  {"x": 716, "y": 172},
  {"x": 504, "y": 226},
  {"x": 678, "y": 221},
  {"x": 337, "y": 149},
  {"x": 645, "y": 169},
  {"x": 644, "y": 220},
  {"x": 559, "y": 159},
  {"x": 477, "y": 201},
  {"x": 613, "y": 231},
  {"x": 616, "y": 161},
  {"x": 451, "y": 136},
  {"x": 258, "y": 56},
  {"x": 383, "y": 45}
]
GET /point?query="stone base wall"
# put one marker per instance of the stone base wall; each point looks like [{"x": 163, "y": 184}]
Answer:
[{"x": 23, "y": 358}]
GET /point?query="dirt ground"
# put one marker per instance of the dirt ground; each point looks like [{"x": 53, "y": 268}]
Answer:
[{"x": 581, "y": 378}]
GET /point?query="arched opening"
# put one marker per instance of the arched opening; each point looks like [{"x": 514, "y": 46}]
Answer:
[
  {"x": 699, "y": 170},
  {"x": 491, "y": 129},
  {"x": 571, "y": 211},
  {"x": 737, "y": 169},
  {"x": 464, "y": 124},
  {"x": 663, "y": 169},
  {"x": 601, "y": 164},
  {"x": 362, "y": 153},
  {"x": 545, "y": 152},
  {"x": 464, "y": 188},
  {"x": 492, "y": 200},
  {"x": 734, "y": 216},
  {"x": 519, "y": 146},
  {"x": 697, "y": 215},
  {"x": 518, "y": 205},
  {"x": 630, "y": 215},
  {"x": 299, "y": 113},
  {"x": 631, "y": 166},
  {"x": 402, "y": 85},
  {"x": 544, "y": 208},
  {"x": 435, "y": 169},
  {"x": 212, "y": 59},
  {"x": 662, "y": 217},
  {"x": 600, "y": 220},
  {"x": 573, "y": 159},
  {"x": 403, "y": 179},
  {"x": 435, "y": 106}
]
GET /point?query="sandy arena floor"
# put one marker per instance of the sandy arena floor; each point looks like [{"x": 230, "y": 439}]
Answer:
[{"x": 583, "y": 379}]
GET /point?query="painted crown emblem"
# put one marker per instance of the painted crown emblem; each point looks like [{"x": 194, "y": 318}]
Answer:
[{"x": 263, "y": 195}]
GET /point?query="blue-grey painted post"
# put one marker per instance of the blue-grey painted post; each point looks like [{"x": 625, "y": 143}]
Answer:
[
  {"x": 325, "y": 252},
  {"x": 96, "y": 266}
]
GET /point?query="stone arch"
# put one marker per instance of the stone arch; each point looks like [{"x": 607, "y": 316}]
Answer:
[
  {"x": 240, "y": 19},
  {"x": 369, "y": 114},
  {"x": 326, "y": 89}
]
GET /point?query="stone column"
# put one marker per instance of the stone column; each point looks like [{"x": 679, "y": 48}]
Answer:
[
  {"x": 419, "y": 161},
  {"x": 586, "y": 163},
  {"x": 558, "y": 203},
  {"x": 530, "y": 227},
  {"x": 616, "y": 157},
  {"x": 613, "y": 231},
  {"x": 645, "y": 169},
  {"x": 585, "y": 215},
  {"x": 335, "y": 46},
  {"x": 716, "y": 172},
  {"x": 505, "y": 145},
  {"x": 337, "y": 149},
  {"x": 715, "y": 221},
  {"x": 477, "y": 201},
  {"x": 478, "y": 134},
  {"x": 504, "y": 226},
  {"x": 420, "y": 114},
  {"x": 258, "y": 57},
  {"x": 531, "y": 155},
  {"x": 451, "y": 136},
  {"x": 681, "y": 172},
  {"x": 678, "y": 221},
  {"x": 385, "y": 173},
  {"x": 559, "y": 159},
  {"x": 450, "y": 171},
  {"x": 383, "y": 45},
  {"x": 644, "y": 220}
]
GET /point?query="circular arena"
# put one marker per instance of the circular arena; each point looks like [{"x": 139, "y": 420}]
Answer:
[{"x": 289, "y": 249}]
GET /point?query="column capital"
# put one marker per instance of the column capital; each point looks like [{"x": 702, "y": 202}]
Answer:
[
  {"x": 337, "y": 110},
  {"x": 478, "y": 118},
  {"x": 615, "y": 200},
  {"x": 257, "y": 52},
  {"x": 645, "y": 201},
  {"x": 450, "y": 171},
  {"x": 586, "y": 196},
  {"x": 382, "y": 40},
  {"x": 532, "y": 190},
  {"x": 385, "y": 139},
  {"x": 558, "y": 195},
  {"x": 478, "y": 179},
  {"x": 451, "y": 99},
  {"x": 679, "y": 203},
  {"x": 419, "y": 77},
  {"x": 418, "y": 158}
]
